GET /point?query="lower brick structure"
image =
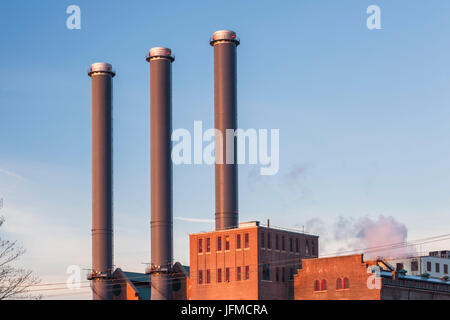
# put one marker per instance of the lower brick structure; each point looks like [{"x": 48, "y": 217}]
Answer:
[
  {"x": 335, "y": 278},
  {"x": 137, "y": 286},
  {"x": 352, "y": 278}
]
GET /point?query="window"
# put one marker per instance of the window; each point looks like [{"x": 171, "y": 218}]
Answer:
[
  {"x": 338, "y": 284},
  {"x": 283, "y": 244},
  {"x": 346, "y": 283},
  {"x": 227, "y": 242},
  {"x": 269, "y": 242},
  {"x": 200, "y": 245},
  {"x": 291, "y": 274},
  {"x": 238, "y": 241},
  {"x": 324, "y": 285},
  {"x": 238, "y": 274},
  {"x": 219, "y": 243},
  {"x": 208, "y": 244},
  {"x": 446, "y": 268},
  {"x": 227, "y": 274},
  {"x": 200, "y": 276},
  {"x": 437, "y": 267},
  {"x": 307, "y": 248},
  {"x": 277, "y": 244},
  {"x": 414, "y": 266},
  {"x": 313, "y": 248},
  {"x": 262, "y": 240},
  {"x": 317, "y": 285},
  {"x": 297, "y": 247},
  {"x": 246, "y": 240},
  {"x": 219, "y": 275},
  {"x": 428, "y": 266},
  {"x": 208, "y": 276},
  {"x": 291, "y": 245},
  {"x": 247, "y": 272},
  {"x": 266, "y": 272},
  {"x": 283, "y": 274},
  {"x": 176, "y": 286},
  {"x": 277, "y": 274},
  {"x": 399, "y": 266}
]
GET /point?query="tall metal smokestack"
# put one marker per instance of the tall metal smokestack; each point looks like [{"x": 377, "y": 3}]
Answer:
[
  {"x": 225, "y": 117},
  {"x": 102, "y": 196},
  {"x": 160, "y": 60}
]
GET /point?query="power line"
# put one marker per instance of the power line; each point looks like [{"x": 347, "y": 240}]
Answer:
[{"x": 288, "y": 262}]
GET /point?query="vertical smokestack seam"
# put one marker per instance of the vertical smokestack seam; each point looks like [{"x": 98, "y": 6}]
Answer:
[
  {"x": 102, "y": 181},
  {"x": 225, "y": 117},
  {"x": 160, "y": 60}
]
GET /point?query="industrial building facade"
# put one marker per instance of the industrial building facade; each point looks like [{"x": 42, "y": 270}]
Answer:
[
  {"x": 436, "y": 264},
  {"x": 251, "y": 262},
  {"x": 244, "y": 261},
  {"x": 352, "y": 278}
]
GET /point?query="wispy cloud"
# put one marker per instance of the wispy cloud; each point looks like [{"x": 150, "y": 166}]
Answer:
[
  {"x": 11, "y": 174},
  {"x": 194, "y": 220}
]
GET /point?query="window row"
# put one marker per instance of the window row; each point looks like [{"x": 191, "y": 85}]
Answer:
[
  {"x": 223, "y": 275},
  {"x": 280, "y": 273},
  {"x": 280, "y": 243},
  {"x": 340, "y": 284},
  {"x": 437, "y": 267},
  {"x": 225, "y": 243}
]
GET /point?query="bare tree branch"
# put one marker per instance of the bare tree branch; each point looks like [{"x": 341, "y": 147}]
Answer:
[{"x": 15, "y": 283}]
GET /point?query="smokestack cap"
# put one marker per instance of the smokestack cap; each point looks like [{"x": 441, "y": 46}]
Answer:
[
  {"x": 224, "y": 36},
  {"x": 160, "y": 53},
  {"x": 101, "y": 67}
]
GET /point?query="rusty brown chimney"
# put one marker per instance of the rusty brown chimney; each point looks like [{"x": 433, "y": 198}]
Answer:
[
  {"x": 225, "y": 117},
  {"x": 102, "y": 180},
  {"x": 160, "y": 60}
]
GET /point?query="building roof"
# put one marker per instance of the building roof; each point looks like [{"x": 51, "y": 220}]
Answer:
[
  {"x": 387, "y": 274},
  {"x": 137, "y": 277},
  {"x": 188, "y": 270},
  {"x": 141, "y": 282},
  {"x": 257, "y": 224}
]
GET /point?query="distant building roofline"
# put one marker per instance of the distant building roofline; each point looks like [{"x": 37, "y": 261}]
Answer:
[{"x": 387, "y": 274}]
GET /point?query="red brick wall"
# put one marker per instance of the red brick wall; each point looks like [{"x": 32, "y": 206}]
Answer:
[
  {"x": 254, "y": 257},
  {"x": 351, "y": 267},
  {"x": 283, "y": 260},
  {"x": 233, "y": 258}
]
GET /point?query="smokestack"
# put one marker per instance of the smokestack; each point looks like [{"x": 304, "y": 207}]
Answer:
[
  {"x": 102, "y": 208},
  {"x": 225, "y": 117},
  {"x": 160, "y": 60}
]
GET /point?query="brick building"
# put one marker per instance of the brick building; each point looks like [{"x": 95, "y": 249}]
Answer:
[
  {"x": 436, "y": 264},
  {"x": 137, "y": 286},
  {"x": 352, "y": 278},
  {"x": 249, "y": 262}
]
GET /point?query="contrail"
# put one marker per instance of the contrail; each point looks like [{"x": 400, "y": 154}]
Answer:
[
  {"x": 194, "y": 220},
  {"x": 12, "y": 174}
]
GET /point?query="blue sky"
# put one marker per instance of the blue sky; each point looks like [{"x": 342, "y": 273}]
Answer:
[{"x": 363, "y": 116}]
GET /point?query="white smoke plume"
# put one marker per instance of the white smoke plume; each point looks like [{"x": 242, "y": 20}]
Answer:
[{"x": 383, "y": 237}]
